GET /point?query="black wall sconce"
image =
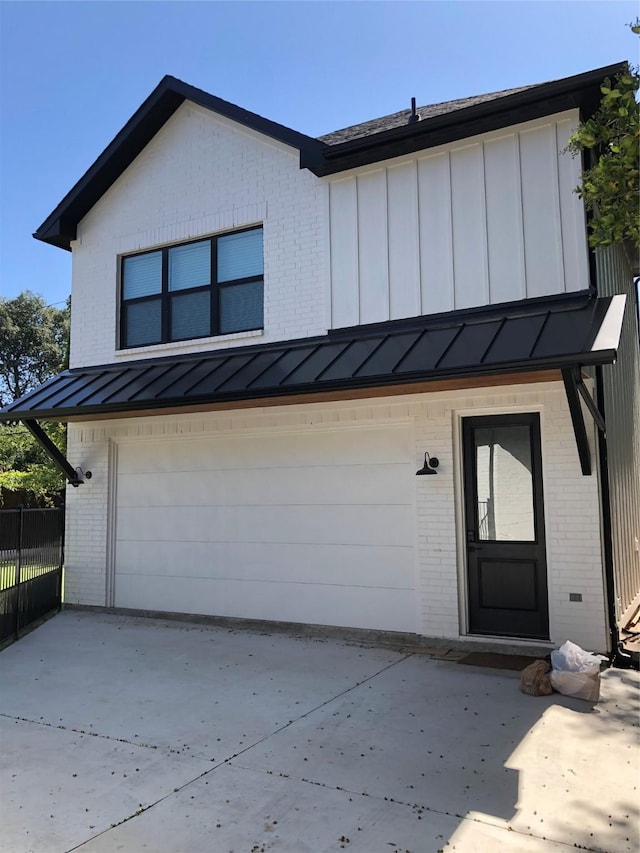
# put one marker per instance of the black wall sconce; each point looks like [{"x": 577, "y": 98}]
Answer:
[{"x": 430, "y": 465}]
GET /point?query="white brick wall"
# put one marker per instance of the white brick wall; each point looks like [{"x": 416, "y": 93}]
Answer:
[
  {"x": 571, "y": 500},
  {"x": 203, "y": 174},
  {"x": 86, "y": 540}
]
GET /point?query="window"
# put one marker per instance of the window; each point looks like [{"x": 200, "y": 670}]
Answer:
[{"x": 194, "y": 290}]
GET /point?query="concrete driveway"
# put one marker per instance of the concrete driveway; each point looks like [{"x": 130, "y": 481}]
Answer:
[{"x": 127, "y": 734}]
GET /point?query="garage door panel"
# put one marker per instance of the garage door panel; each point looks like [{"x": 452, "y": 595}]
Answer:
[
  {"x": 354, "y": 606},
  {"x": 267, "y": 486},
  {"x": 278, "y": 450},
  {"x": 315, "y": 526},
  {"x": 321, "y": 564},
  {"x": 311, "y": 524}
]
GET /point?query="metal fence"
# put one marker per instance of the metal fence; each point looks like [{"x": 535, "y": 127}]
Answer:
[{"x": 31, "y": 557}]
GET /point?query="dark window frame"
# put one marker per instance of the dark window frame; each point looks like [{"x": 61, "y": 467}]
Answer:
[{"x": 214, "y": 288}]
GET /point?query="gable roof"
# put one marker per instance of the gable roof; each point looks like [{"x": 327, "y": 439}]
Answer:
[
  {"x": 59, "y": 228},
  {"x": 369, "y": 142},
  {"x": 548, "y": 333}
]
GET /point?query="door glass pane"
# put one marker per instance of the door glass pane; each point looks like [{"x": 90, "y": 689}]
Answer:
[{"x": 504, "y": 488}]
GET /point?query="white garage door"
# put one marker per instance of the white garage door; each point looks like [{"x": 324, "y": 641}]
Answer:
[{"x": 309, "y": 527}]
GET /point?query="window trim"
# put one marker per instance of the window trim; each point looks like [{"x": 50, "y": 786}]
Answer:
[{"x": 214, "y": 288}]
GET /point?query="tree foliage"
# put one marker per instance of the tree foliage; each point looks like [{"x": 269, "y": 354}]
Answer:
[
  {"x": 33, "y": 347},
  {"x": 26, "y": 469},
  {"x": 610, "y": 185},
  {"x": 33, "y": 343}
]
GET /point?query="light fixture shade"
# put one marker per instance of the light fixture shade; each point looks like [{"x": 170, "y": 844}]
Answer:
[{"x": 430, "y": 465}]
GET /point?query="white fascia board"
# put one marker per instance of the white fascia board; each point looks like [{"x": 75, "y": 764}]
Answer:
[{"x": 608, "y": 337}]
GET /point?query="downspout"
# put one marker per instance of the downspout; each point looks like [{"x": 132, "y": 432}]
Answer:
[{"x": 618, "y": 656}]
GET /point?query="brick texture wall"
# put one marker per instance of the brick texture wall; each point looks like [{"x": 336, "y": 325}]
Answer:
[
  {"x": 200, "y": 175},
  {"x": 571, "y": 500}
]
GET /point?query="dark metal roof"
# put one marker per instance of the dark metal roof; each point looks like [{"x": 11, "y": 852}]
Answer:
[
  {"x": 370, "y": 142},
  {"x": 534, "y": 335}
]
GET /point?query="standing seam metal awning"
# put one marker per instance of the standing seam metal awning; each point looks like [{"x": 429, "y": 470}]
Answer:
[{"x": 563, "y": 333}]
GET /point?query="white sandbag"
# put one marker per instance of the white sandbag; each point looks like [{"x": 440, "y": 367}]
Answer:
[{"x": 580, "y": 685}]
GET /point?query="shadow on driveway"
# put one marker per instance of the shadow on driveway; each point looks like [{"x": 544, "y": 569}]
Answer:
[{"x": 121, "y": 733}]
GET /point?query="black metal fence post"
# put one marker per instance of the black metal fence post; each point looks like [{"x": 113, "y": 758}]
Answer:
[{"x": 19, "y": 566}]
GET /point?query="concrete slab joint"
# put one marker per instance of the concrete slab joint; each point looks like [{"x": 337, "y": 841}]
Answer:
[{"x": 121, "y": 733}]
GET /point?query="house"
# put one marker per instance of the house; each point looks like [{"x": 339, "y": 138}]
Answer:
[{"x": 357, "y": 381}]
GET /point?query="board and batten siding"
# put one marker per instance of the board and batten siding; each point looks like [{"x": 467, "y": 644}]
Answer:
[
  {"x": 486, "y": 220},
  {"x": 621, "y": 388}
]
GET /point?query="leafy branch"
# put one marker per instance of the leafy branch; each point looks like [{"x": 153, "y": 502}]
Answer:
[{"x": 610, "y": 187}]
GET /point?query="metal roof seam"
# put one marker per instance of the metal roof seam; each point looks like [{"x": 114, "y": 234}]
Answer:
[
  {"x": 503, "y": 322},
  {"x": 344, "y": 348},
  {"x": 124, "y": 385},
  {"x": 409, "y": 351},
  {"x": 66, "y": 393},
  {"x": 160, "y": 376},
  {"x": 186, "y": 373},
  {"x": 463, "y": 326},
  {"x": 269, "y": 366},
  {"x": 51, "y": 385},
  {"x": 367, "y": 358},
  {"x": 227, "y": 379},
  {"x": 532, "y": 349},
  {"x": 313, "y": 350},
  {"x": 211, "y": 372}
]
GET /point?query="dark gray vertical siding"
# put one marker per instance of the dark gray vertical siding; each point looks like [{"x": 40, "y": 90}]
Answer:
[{"x": 621, "y": 383}]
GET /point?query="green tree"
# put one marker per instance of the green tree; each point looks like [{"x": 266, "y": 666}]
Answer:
[
  {"x": 25, "y": 469},
  {"x": 610, "y": 185},
  {"x": 34, "y": 345}
]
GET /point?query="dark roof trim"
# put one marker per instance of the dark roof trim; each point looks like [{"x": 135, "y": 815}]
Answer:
[
  {"x": 59, "y": 228},
  {"x": 580, "y": 91},
  {"x": 541, "y": 336}
]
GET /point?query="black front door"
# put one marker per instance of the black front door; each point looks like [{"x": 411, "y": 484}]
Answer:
[{"x": 506, "y": 564}]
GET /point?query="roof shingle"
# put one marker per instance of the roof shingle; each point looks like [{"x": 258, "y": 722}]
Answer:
[{"x": 400, "y": 119}]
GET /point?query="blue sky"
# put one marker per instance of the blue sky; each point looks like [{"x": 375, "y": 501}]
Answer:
[{"x": 72, "y": 73}]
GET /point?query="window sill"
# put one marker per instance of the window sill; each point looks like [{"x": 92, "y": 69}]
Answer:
[{"x": 195, "y": 345}]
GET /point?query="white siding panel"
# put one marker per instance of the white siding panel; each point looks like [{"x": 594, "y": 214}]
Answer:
[
  {"x": 504, "y": 219},
  {"x": 373, "y": 247},
  {"x": 436, "y": 252},
  {"x": 344, "y": 253},
  {"x": 574, "y": 234},
  {"x": 469, "y": 227},
  {"x": 541, "y": 212},
  {"x": 404, "y": 257}
]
